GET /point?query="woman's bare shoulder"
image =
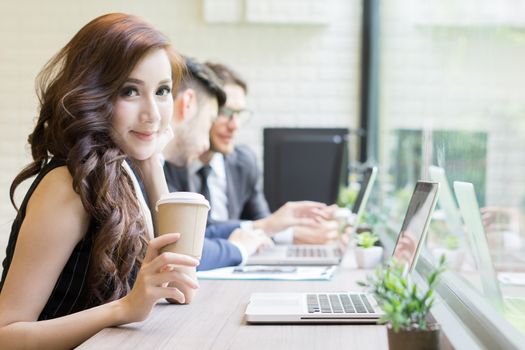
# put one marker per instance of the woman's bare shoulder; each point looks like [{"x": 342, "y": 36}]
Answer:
[{"x": 54, "y": 197}]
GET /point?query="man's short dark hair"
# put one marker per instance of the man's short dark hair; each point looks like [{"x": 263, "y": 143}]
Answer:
[
  {"x": 202, "y": 79},
  {"x": 227, "y": 75}
]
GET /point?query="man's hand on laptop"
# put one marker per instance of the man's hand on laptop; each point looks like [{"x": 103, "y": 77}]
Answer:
[
  {"x": 292, "y": 214},
  {"x": 250, "y": 240},
  {"x": 318, "y": 233}
]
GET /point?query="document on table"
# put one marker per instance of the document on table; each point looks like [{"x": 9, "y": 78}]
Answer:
[{"x": 286, "y": 273}]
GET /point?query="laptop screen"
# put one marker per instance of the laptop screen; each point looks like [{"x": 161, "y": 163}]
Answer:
[
  {"x": 364, "y": 191},
  {"x": 416, "y": 222}
]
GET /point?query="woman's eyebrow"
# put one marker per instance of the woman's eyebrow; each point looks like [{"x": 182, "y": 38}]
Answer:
[
  {"x": 134, "y": 80},
  {"x": 140, "y": 82}
]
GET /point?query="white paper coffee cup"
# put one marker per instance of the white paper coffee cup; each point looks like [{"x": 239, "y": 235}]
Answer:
[{"x": 185, "y": 213}]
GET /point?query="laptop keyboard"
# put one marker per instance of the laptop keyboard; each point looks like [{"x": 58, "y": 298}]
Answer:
[
  {"x": 338, "y": 303},
  {"x": 306, "y": 252}
]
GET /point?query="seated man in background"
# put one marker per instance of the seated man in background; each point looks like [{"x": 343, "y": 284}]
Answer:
[
  {"x": 229, "y": 177},
  {"x": 196, "y": 106},
  {"x": 196, "y": 103}
]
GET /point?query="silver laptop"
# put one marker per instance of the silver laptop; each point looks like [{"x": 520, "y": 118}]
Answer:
[
  {"x": 308, "y": 254},
  {"x": 468, "y": 205},
  {"x": 349, "y": 307},
  {"x": 358, "y": 209}
]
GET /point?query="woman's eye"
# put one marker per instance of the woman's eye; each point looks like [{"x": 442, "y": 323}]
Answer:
[
  {"x": 129, "y": 91},
  {"x": 164, "y": 90}
]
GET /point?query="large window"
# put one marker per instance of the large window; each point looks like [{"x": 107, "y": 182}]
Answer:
[{"x": 452, "y": 108}]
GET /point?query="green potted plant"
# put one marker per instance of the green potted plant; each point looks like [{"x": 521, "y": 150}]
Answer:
[
  {"x": 367, "y": 253},
  {"x": 347, "y": 196},
  {"x": 406, "y": 308}
]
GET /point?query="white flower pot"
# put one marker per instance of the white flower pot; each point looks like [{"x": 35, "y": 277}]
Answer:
[{"x": 367, "y": 258}]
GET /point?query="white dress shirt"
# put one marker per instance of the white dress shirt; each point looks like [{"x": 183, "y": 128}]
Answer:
[{"x": 217, "y": 185}]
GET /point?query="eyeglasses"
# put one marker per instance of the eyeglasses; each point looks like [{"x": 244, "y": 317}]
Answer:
[{"x": 227, "y": 114}]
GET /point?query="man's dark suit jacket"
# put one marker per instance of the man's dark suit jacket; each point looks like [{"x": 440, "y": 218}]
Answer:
[
  {"x": 243, "y": 185},
  {"x": 217, "y": 250}
]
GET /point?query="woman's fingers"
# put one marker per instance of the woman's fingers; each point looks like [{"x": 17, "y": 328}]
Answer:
[
  {"x": 173, "y": 276},
  {"x": 168, "y": 258},
  {"x": 169, "y": 293},
  {"x": 157, "y": 243}
]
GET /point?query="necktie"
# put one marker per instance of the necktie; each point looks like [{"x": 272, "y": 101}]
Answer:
[{"x": 203, "y": 173}]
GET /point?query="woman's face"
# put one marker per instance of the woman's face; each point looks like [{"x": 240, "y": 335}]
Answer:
[{"x": 144, "y": 107}]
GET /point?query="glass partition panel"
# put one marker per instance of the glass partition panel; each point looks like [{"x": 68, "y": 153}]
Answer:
[{"x": 452, "y": 108}]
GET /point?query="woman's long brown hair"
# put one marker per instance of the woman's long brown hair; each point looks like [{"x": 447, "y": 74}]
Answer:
[{"x": 77, "y": 90}]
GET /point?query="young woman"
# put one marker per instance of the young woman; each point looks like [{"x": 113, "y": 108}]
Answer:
[{"x": 81, "y": 255}]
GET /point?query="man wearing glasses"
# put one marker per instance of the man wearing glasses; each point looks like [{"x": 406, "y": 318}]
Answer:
[
  {"x": 228, "y": 175},
  {"x": 196, "y": 107}
]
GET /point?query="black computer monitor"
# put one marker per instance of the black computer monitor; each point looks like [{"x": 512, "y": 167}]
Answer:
[{"x": 304, "y": 164}]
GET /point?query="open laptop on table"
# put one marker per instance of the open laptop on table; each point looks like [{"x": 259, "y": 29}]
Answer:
[
  {"x": 308, "y": 254},
  {"x": 468, "y": 205},
  {"x": 349, "y": 307}
]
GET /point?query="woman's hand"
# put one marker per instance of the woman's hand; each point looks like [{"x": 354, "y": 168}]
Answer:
[{"x": 153, "y": 278}]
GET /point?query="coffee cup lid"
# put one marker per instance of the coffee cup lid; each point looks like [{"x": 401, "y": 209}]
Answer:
[{"x": 183, "y": 197}]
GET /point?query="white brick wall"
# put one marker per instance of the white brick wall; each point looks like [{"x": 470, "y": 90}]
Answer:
[{"x": 299, "y": 75}]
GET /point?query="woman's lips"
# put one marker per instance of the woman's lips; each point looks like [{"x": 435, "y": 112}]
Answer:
[{"x": 144, "y": 136}]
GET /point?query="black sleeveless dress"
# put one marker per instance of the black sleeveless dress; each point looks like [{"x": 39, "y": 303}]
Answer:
[{"x": 71, "y": 293}]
